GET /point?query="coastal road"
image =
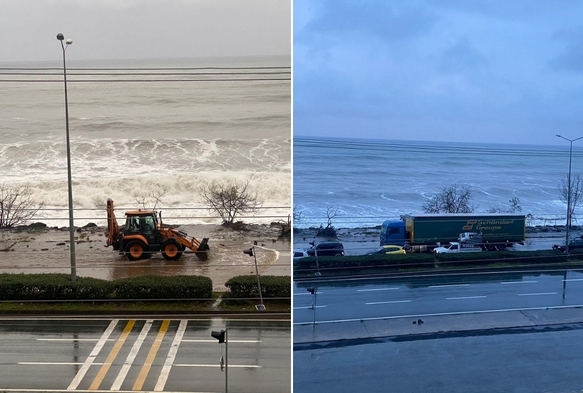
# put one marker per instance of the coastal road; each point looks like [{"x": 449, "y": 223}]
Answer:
[
  {"x": 177, "y": 355},
  {"x": 508, "y": 360},
  {"x": 340, "y": 301}
]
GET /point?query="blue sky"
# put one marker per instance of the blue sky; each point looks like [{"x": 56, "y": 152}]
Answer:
[{"x": 439, "y": 70}]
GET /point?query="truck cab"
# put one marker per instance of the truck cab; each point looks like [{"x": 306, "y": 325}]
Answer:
[{"x": 393, "y": 232}]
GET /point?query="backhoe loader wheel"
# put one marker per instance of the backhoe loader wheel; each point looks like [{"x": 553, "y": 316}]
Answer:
[
  {"x": 135, "y": 250},
  {"x": 171, "y": 250}
]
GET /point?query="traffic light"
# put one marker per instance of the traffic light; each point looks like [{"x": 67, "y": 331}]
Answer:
[
  {"x": 249, "y": 252},
  {"x": 312, "y": 290},
  {"x": 219, "y": 335}
]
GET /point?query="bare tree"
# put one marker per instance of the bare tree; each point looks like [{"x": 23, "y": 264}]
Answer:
[
  {"x": 514, "y": 207},
  {"x": 329, "y": 230},
  {"x": 298, "y": 215},
  {"x": 576, "y": 194},
  {"x": 331, "y": 213},
  {"x": 452, "y": 199},
  {"x": 286, "y": 227},
  {"x": 16, "y": 205},
  {"x": 229, "y": 199},
  {"x": 154, "y": 196}
]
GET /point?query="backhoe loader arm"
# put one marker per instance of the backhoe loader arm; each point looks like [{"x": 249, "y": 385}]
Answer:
[
  {"x": 112, "y": 226},
  {"x": 200, "y": 248}
]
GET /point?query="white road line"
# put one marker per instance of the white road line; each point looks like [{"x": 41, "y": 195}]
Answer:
[
  {"x": 573, "y": 279},
  {"x": 216, "y": 365},
  {"x": 537, "y": 294},
  {"x": 91, "y": 358},
  {"x": 306, "y": 294},
  {"x": 310, "y": 323},
  {"x": 308, "y": 307},
  {"x": 388, "y": 302},
  {"x": 171, "y": 356},
  {"x": 377, "y": 289},
  {"x": 132, "y": 356},
  {"x": 54, "y": 364},
  {"x": 79, "y": 391},
  {"x": 518, "y": 282},
  {"x": 465, "y": 297},
  {"x": 72, "y": 339},
  {"x": 215, "y": 341},
  {"x": 449, "y": 285}
]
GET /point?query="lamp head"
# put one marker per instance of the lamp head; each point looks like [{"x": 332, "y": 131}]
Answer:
[
  {"x": 60, "y": 37},
  {"x": 219, "y": 335},
  {"x": 69, "y": 41}
]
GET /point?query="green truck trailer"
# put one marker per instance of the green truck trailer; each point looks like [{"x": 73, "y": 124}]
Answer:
[{"x": 424, "y": 232}]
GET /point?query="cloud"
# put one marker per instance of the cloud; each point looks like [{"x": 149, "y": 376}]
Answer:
[
  {"x": 378, "y": 20},
  {"x": 571, "y": 59},
  {"x": 438, "y": 70},
  {"x": 105, "y": 29},
  {"x": 460, "y": 56}
]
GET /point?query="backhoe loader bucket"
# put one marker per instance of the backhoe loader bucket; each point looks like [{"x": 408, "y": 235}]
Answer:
[{"x": 202, "y": 251}]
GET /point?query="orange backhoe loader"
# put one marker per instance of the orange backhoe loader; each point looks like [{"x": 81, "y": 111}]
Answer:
[{"x": 144, "y": 235}]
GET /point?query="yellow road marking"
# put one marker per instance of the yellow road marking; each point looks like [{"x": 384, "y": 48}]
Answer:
[
  {"x": 151, "y": 356},
  {"x": 112, "y": 355}
]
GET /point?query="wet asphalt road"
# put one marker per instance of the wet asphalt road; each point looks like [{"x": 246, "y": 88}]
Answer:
[
  {"x": 347, "y": 300},
  {"x": 480, "y": 333},
  {"x": 529, "y": 360},
  {"x": 143, "y": 355}
]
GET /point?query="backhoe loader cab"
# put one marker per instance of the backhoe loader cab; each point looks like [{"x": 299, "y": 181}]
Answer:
[
  {"x": 141, "y": 222},
  {"x": 144, "y": 235}
]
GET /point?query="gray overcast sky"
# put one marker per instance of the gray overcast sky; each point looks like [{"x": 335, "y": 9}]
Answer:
[
  {"x": 138, "y": 29},
  {"x": 450, "y": 70}
]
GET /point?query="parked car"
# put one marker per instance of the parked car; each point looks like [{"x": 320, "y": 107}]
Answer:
[
  {"x": 573, "y": 245},
  {"x": 299, "y": 254},
  {"x": 327, "y": 249},
  {"x": 390, "y": 249}
]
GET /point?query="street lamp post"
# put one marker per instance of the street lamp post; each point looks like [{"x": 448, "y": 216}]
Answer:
[
  {"x": 314, "y": 292},
  {"x": 313, "y": 244},
  {"x": 60, "y": 37},
  {"x": 251, "y": 252},
  {"x": 224, "y": 362},
  {"x": 569, "y": 190}
]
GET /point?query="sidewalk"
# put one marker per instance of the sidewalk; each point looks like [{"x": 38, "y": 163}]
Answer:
[{"x": 435, "y": 324}]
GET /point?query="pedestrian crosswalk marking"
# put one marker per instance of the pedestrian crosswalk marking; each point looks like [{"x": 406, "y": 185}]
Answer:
[{"x": 112, "y": 355}]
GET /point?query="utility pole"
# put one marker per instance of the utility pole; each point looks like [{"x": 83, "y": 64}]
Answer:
[
  {"x": 60, "y": 37},
  {"x": 569, "y": 191}
]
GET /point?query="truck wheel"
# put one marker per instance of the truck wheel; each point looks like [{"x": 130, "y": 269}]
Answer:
[
  {"x": 135, "y": 250},
  {"x": 171, "y": 250}
]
